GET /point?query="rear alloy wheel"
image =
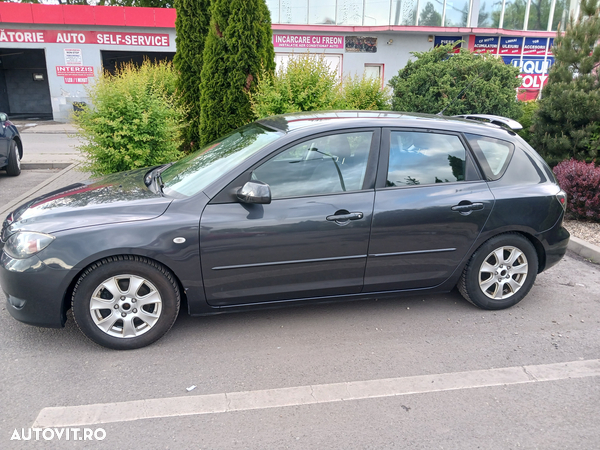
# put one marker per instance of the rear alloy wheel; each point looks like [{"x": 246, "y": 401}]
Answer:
[
  {"x": 125, "y": 302},
  {"x": 500, "y": 273},
  {"x": 13, "y": 168}
]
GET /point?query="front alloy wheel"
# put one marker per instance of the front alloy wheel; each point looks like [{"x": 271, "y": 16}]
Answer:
[
  {"x": 125, "y": 306},
  {"x": 125, "y": 302}
]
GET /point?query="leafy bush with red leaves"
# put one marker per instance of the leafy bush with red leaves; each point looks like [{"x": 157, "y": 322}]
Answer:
[{"x": 581, "y": 182}]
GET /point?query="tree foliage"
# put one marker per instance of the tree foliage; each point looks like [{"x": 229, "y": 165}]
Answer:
[
  {"x": 142, "y": 3},
  {"x": 238, "y": 47},
  {"x": 134, "y": 121},
  {"x": 192, "y": 26},
  {"x": 463, "y": 83},
  {"x": 567, "y": 124}
]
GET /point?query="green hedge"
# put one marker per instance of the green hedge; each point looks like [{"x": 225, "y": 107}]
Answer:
[{"x": 133, "y": 121}]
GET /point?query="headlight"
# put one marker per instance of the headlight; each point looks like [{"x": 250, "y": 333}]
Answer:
[{"x": 24, "y": 244}]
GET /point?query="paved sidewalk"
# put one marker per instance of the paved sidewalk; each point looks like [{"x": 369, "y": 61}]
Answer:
[{"x": 48, "y": 144}]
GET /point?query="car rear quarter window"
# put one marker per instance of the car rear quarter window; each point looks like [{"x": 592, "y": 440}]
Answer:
[
  {"x": 493, "y": 154},
  {"x": 421, "y": 158}
]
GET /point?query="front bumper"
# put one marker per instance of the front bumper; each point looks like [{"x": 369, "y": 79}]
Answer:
[{"x": 34, "y": 292}]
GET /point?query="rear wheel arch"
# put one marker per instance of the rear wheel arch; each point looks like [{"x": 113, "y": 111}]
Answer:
[{"x": 475, "y": 283}]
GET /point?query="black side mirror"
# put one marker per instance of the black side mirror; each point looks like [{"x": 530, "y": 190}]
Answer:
[{"x": 255, "y": 192}]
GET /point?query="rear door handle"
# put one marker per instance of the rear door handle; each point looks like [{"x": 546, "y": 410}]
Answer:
[
  {"x": 345, "y": 217},
  {"x": 467, "y": 207}
]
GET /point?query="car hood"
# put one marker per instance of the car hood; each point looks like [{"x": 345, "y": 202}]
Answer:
[{"x": 121, "y": 197}]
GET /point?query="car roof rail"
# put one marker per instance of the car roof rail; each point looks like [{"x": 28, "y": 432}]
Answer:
[{"x": 496, "y": 120}]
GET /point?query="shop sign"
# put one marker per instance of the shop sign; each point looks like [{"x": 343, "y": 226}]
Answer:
[
  {"x": 361, "y": 44},
  {"x": 73, "y": 57},
  {"x": 444, "y": 40},
  {"x": 76, "y": 80},
  {"x": 486, "y": 44},
  {"x": 534, "y": 73},
  {"x": 84, "y": 37},
  {"x": 535, "y": 46},
  {"x": 81, "y": 71},
  {"x": 307, "y": 41},
  {"x": 511, "y": 45}
]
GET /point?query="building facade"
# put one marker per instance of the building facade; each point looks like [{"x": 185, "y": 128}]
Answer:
[{"x": 50, "y": 54}]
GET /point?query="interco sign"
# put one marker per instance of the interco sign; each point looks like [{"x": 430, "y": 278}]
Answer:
[{"x": 84, "y": 37}]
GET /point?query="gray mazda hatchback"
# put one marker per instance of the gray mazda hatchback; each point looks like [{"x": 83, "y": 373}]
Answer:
[{"x": 293, "y": 209}]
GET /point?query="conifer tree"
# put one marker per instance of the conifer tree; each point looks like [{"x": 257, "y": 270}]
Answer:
[
  {"x": 567, "y": 123},
  {"x": 191, "y": 26},
  {"x": 238, "y": 46}
]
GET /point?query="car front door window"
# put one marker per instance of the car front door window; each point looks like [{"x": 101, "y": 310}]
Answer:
[{"x": 322, "y": 165}]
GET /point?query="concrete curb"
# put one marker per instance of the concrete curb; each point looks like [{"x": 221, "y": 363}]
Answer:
[
  {"x": 44, "y": 165},
  {"x": 584, "y": 249},
  {"x": 33, "y": 192}
]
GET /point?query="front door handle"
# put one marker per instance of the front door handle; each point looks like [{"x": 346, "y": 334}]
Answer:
[
  {"x": 345, "y": 217},
  {"x": 467, "y": 207}
]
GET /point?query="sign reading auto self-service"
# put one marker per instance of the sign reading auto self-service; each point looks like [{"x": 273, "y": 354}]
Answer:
[{"x": 84, "y": 37}]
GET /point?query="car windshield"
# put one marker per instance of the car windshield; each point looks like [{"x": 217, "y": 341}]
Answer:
[{"x": 195, "y": 172}]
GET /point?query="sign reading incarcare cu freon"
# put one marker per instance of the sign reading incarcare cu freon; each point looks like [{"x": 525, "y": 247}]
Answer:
[{"x": 307, "y": 41}]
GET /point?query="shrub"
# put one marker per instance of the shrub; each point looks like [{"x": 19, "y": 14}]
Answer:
[
  {"x": 134, "y": 120},
  {"x": 464, "y": 83},
  {"x": 364, "y": 93},
  {"x": 305, "y": 83},
  {"x": 529, "y": 109},
  {"x": 581, "y": 182}
]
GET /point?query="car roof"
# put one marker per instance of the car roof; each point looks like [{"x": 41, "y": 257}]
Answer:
[{"x": 325, "y": 120}]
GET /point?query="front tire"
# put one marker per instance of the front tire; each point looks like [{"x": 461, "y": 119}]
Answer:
[
  {"x": 125, "y": 302},
  {"x": 500, "y": 273},
  {"x": 13, "y": 168}
]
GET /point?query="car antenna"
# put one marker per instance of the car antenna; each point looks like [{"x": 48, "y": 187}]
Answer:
[{"x": 441, "y": 113}]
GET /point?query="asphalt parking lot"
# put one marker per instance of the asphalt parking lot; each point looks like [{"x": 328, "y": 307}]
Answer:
[{"x": 319, "y": 347}]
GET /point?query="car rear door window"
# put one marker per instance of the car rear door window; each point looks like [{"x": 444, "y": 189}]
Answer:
[
  {"x": 321, "y": 165},
  {"x": 421, "y": 158}
]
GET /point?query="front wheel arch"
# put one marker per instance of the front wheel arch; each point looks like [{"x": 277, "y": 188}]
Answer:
[{"x": 68, "y": 296}]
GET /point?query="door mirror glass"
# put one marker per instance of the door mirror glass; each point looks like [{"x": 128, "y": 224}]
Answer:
[
  {"x": 255, "y": 192},
  {"x": 3, "y": 117}
]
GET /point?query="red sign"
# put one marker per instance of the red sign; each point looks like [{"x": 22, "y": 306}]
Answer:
[
  {"x": 76, "y": 80},
  {"x": 81, "y": 71},
  {"x": 307, "y": 41},
  {"x": 84, "y": 37}
]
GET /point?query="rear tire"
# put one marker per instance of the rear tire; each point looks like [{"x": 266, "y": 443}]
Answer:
[
  {"x": 125, "y": 302},
  {"x": 13, "y": 168},
  {"x": 500, "y": 273}
]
